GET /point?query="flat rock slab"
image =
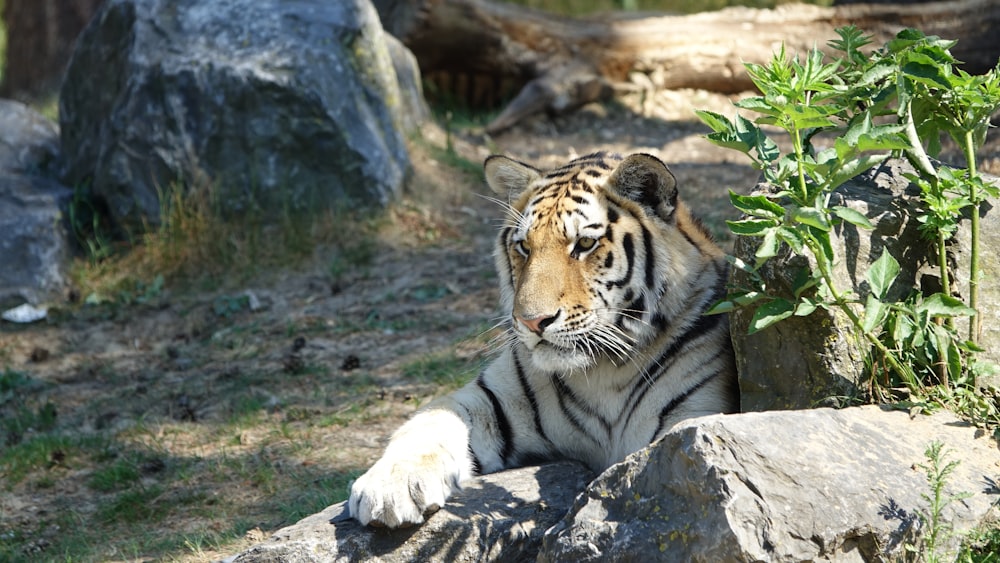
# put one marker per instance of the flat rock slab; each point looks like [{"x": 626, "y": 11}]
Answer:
[
  {"x": 497, "y": 517},
  {"x": 814, "y": 485}
]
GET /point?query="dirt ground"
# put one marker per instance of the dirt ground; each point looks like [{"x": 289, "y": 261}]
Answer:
[{"x": 235, "y": 405}]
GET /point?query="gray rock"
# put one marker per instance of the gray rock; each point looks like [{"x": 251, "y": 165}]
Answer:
[
  {"x": 35, "y": 243},
  {"x": 275, "y": 105},
  {"x": 414, "y": 110},
  {"x": 818, "y": 485},
  {"x": 498, "y": 517},
  {"x": 802, "y": 362},
  {"x": 29, "y": 142},
  {"x": 831, "y": 485}
]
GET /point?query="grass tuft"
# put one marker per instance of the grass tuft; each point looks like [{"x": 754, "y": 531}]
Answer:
[{"x": 196, "y": 244}]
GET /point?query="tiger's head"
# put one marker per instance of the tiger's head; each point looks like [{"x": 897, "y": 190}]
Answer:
[{"x": 587, "y": 255}]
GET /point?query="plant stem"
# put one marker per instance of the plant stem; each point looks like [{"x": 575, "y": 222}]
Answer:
[
  {"x": 923, "y": 164},
  {"x": 975, "y": 323},
  {"x": 844, "y": 306},
  {"x": 797, "y": 146}
]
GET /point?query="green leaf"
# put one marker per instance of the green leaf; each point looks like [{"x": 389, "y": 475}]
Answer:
[
  {"x": 923, "y": 69},
  {"x": 805, "y": 308},
  {"x": 805, "y": 279},
  {"x": 715, "y": 121},
  {"x": 882, "y": 273},
  {"x": 756, "y": 206},
  {"x": 728, "y": 140},
  {"x": 770, "y": 313},
  {"x": 751, "y": 227},
  {"x": 853, "y": 217},
  {"x": 792, "y": 238},
  {"x": 758, "y": 104},
  {"x": 721, "y": 307},
  {"x": 812, "y": 217},
  {"x": 875, "y": 312},
  {"x": 734, "y": 301},
  {"x": 809, "y": 117},
  {"x": 852, "y": 168},
  {"x": 768, "y": 247},
  {"x": 903, "y": 329},
  {"x": 941, "y": 305},
  {"x": 877, "y": 72}
]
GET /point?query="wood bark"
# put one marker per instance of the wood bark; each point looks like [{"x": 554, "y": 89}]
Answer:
[
  {"x": 40, "y": 39},
  {"x": 558, "y": 63}
]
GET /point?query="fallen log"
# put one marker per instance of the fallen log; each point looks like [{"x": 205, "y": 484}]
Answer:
[{"x": 559, "y": 63}]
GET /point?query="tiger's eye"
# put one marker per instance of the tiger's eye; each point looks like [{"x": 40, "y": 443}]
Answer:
[
  {"x": 521, "y": 248},
  {"x": 583, "y": 244}
]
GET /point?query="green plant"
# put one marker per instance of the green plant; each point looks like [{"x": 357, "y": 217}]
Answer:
[
  {"x": 26, "y": 419},
  {"x": 935, "y": 529},
  {"x": 135, "y": 505},
  {"x": 40, "y": 452},
  {"x": 10, "y": 382},
  {"x": 835, "y": 114},
  {"x": 981, "y": 546}
]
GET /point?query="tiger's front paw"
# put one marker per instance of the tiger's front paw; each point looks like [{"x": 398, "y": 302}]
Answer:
[{"x": 398, "y": 493}]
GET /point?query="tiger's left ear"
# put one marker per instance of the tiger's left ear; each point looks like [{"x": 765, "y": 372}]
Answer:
[
  {"x": 508, "y": 177},
  {"x": 645, "y": 179}
]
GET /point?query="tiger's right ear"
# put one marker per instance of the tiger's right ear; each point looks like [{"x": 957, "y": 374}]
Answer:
[{"x": 508, "y": 177}]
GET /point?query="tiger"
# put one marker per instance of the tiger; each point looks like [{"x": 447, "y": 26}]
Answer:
[{"x": 605, "y": 278}]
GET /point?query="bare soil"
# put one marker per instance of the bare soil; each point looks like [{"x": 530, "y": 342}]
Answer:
[{"x": 242, "y": 409}]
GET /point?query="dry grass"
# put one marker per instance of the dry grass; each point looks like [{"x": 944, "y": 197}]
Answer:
[{"x": 163, "y": 418}]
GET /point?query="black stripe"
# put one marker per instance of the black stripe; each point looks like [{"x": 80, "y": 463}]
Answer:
[
  {"x": 564, "y": 390},
  {"x": 678, "y": 400},
  {"x": 561, "y": 390},
  {"x": 612, "y": 215},
  {"x": 689, "y": 239},
  {"x": 529, "y": 392},
  {"x": 503, "y": 425},
  {"x": 505, "y": 244},
  {"x": 635, "y": 310},
  {"x": 647, "y": 239},
  {"x": 702, "y": 325},
  {"x": 666, "y": 360},
  {"x": 629, "y": 248},
  {"x": 477, "y": 468}
]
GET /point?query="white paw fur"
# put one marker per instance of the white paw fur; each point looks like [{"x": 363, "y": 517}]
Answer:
[{"x": 424, "y": 463}]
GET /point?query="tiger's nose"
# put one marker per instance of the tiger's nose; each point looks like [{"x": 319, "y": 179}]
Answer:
[{"x": 539, "y": 323}]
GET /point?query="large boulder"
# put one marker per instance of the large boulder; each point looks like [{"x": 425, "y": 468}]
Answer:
[
  {"x": 35, "y": 242},
  {"x": 803, "y": 362},
  {"x": 816, "y": 485},
  {"x": 276, "y": 106},
  {"x": 811, "y": 485}
]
